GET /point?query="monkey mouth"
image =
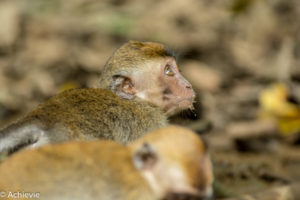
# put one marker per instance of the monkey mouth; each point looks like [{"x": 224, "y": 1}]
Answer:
[
  {"x": 186, "y": 102},
  {"x": 173, "y": 107}
]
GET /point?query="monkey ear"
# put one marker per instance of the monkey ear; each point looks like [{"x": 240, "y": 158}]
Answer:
[
  {"x": 145, "y": 157},
  {"x": 123, "y": 86}
]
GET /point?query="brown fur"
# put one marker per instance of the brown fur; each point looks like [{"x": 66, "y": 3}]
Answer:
[
  {"x": 105, "y": 170},
  {"x": 96, "y": 113}
]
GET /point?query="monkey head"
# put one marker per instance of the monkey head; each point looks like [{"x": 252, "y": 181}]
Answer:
[
  {"x": 148, "y": 71},
  {"x": 175, "y": 163}
]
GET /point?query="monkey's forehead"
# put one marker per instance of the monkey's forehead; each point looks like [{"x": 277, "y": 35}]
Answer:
[{"x": 149, "y": 49}]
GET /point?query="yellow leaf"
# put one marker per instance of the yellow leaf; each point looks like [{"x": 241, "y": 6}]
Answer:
[{"x": 274, "y": 105}]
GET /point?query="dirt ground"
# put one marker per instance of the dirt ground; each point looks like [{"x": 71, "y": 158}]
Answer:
[{"x": 241, "y": 56}]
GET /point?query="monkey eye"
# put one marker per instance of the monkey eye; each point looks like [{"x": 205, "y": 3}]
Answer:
[{"x": 169, "y": 71}]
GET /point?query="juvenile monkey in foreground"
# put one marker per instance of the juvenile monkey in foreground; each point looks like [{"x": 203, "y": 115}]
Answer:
[
  {"x": 169, "y": 163},
  {"x": 139, "y": 87}
]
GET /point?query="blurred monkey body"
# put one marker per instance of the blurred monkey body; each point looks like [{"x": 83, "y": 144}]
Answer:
[
  {"x": 151, "y": 168},
  {"x": 140, "y": 86},
  {"x": 75, "y": 171}
]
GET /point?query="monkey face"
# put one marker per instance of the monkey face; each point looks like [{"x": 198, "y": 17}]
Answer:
[
  {"x": 164, "y": 86},
  {"x": 148, "y": 71},
  {"x": 178, "y": 93},
  {"x": 191, "y": 178}
]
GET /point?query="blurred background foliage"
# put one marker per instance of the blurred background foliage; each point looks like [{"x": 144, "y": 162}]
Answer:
[
  {"x": 234, "y": 47},
  {"x": 234, "y": 52}
]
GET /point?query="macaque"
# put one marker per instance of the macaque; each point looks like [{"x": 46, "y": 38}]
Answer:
[
  {"x": 170, "y": 163},
  {"x": 139, "y": 88}
]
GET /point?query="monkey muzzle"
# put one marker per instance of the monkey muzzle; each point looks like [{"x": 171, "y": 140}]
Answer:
[{"x": 186, "y": 103}]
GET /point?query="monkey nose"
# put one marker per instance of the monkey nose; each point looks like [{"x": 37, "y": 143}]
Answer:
[{"x": 188, "y": 87}]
